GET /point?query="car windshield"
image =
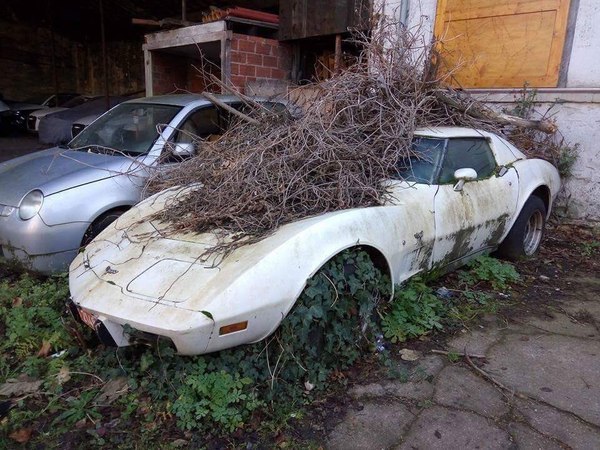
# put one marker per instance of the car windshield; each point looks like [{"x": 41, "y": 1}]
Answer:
[
  {"x": 128, "y": 128},
  {"x": 425, "y": 157},
  {"x": 37, "y": 100},
  {"x": 76, "y": 101}
]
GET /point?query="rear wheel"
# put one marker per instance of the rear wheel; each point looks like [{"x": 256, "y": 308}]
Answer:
[{"x": 526, "y": 235}]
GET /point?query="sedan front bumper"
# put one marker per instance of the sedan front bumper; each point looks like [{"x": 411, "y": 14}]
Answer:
[{"x": 39, "y": 246}]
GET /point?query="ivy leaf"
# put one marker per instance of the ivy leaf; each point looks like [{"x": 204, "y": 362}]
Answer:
[{"x": 208, "y": 314}]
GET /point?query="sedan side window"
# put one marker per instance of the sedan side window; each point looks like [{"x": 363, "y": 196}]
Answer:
[
  {"x": 472, "y": 153},
  {"x": 202, "y": 124}
]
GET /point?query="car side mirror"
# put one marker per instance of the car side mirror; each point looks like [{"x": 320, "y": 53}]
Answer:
[
  {"x": 183, "y": 149},
  {"x": 462, "y": 176}
]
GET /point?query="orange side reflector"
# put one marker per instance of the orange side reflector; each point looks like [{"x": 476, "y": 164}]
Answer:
[{"x": 227, "y": 329}]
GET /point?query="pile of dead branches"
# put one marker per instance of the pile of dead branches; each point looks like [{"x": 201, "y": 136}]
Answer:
[{"x": 354, "y": 134}]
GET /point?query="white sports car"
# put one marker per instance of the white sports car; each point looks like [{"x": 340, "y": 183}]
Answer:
[{"x": 467, "y": 192}]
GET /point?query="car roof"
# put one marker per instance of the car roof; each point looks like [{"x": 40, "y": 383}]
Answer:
[
  {"x": 183, "y": 99},
  {"x": 452, "y": 132}
]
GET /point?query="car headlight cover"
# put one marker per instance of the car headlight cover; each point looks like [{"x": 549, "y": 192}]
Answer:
[{"x": 31, "y": 204}]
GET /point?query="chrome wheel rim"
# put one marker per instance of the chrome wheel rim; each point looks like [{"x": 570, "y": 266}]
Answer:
[{"x": 533, "y": 233}]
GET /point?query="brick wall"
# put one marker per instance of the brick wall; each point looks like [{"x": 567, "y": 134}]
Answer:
[
  {"x": 172, "y": 72},
  {"x": 256, "y": 58},
  {"x": 169, "y": 72}
]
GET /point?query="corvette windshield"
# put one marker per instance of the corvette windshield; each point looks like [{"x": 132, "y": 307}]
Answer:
[
  {"x": 128, "y": 128},
  {"x": 420, "y": 166}
]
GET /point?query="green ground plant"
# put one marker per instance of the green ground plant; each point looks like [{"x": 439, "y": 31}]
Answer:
[
  {"x": 340, "y": 317},
  {"x": 415, "y": 310}
]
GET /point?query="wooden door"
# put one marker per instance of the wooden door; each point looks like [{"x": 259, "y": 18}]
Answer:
[{"x": 502, "y": 43}]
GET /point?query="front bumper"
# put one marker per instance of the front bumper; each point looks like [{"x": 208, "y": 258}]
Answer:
[{"x": 38, "y": 246}]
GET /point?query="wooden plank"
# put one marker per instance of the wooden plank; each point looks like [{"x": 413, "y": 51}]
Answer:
[
  {"x": 226, "y": 59},
  {"x": 506, "y": 45},
  {"x": 149, "y": 80},
  {"x": 197, "y": 34},
  {"x": 299, "y": 19}
]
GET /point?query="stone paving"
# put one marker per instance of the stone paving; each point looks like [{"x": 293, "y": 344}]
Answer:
[{"x": 549, "y": 369}]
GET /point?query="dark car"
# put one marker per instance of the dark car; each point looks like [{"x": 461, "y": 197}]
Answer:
[
  {"x": 55, "y": 129},
  {"x": 20, "y": 111}
]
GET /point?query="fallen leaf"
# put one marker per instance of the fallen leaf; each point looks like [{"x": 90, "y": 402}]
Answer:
[
  {"x": 178, "y": 443},
  {"x": 63, "y": 375},
  {"x": 21, "y": 436},
  {"x": 44, "y": 349},
  {"x": 17, "y": 301},
  {"x": 407, "y": 354},
  {"x": 13, "y": 388},
  {"x": 112, "y": 390}
]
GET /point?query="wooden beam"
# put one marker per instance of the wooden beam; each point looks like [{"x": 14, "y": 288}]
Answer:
[{"x": 197, "y": 34}]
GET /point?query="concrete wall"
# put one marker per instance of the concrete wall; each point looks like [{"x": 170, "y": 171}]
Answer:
[
  {"x": 584, "y": 64},
  {"x": 577, "y": 114},
  {"x": 26, "y": 64}
]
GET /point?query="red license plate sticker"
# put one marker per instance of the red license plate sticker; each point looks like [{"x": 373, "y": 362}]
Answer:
[{"x": 88, "y": 318}]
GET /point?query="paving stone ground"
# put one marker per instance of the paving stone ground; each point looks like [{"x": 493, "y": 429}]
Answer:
[{"x": 549, "y": 366}]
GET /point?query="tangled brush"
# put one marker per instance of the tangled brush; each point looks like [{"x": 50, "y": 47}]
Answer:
[{"x": 355, "y": 133}]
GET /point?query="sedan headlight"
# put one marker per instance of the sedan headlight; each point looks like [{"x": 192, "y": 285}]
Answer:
[{"x": 31, "y": 204}]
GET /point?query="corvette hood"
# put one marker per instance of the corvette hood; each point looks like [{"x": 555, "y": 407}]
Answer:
[
  {"x": 143, "y": 262},
  {"x": 54, "y": 170}
]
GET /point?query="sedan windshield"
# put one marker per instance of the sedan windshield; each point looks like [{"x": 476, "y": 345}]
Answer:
[
  {"x": 129, "y": 128},
  {"x": 425, "y": 157}
]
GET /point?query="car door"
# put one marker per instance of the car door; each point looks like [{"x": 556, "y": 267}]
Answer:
[
  {"x": 474, "y": 217},
  {"x": 411, "y": 202}
]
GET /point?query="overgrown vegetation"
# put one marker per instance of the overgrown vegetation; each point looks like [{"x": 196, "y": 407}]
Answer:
[{"x": 340, "y": 318}]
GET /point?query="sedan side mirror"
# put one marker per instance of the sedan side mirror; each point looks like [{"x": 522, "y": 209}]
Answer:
[
  {"x": 183, "y": 149},
  {"x": 462, "y": 176}
]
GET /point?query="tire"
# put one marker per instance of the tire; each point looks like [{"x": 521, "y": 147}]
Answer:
[
  {"x": 525, "y": 236},
  {"x": 100, "y": 224}
]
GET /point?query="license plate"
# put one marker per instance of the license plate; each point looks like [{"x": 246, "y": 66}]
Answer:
[{"x": 88, "y": 318}]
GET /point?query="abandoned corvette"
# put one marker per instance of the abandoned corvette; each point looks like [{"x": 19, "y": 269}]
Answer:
[{"x": 465, "y": 192}]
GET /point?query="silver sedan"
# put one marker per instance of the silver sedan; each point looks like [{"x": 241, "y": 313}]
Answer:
[{"x": 55, "y": 201}]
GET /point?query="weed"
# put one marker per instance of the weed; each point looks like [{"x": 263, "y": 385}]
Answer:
[
  {"x": 589, "y": 248},
  {"x": 77, "y": 408},
  {"x": 453, "y": 356},
  {"x": 490, "y": 270},
  {"x": 216, "y": 397},
  {"x": 415, "y": 311}
]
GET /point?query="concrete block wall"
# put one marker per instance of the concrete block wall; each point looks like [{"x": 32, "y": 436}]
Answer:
[{"x": 255, "y": 58}]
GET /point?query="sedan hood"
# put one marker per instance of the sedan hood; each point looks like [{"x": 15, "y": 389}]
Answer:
[
  {"x": 57, "y": 169},
  {"x": 46, "y": 111}
]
